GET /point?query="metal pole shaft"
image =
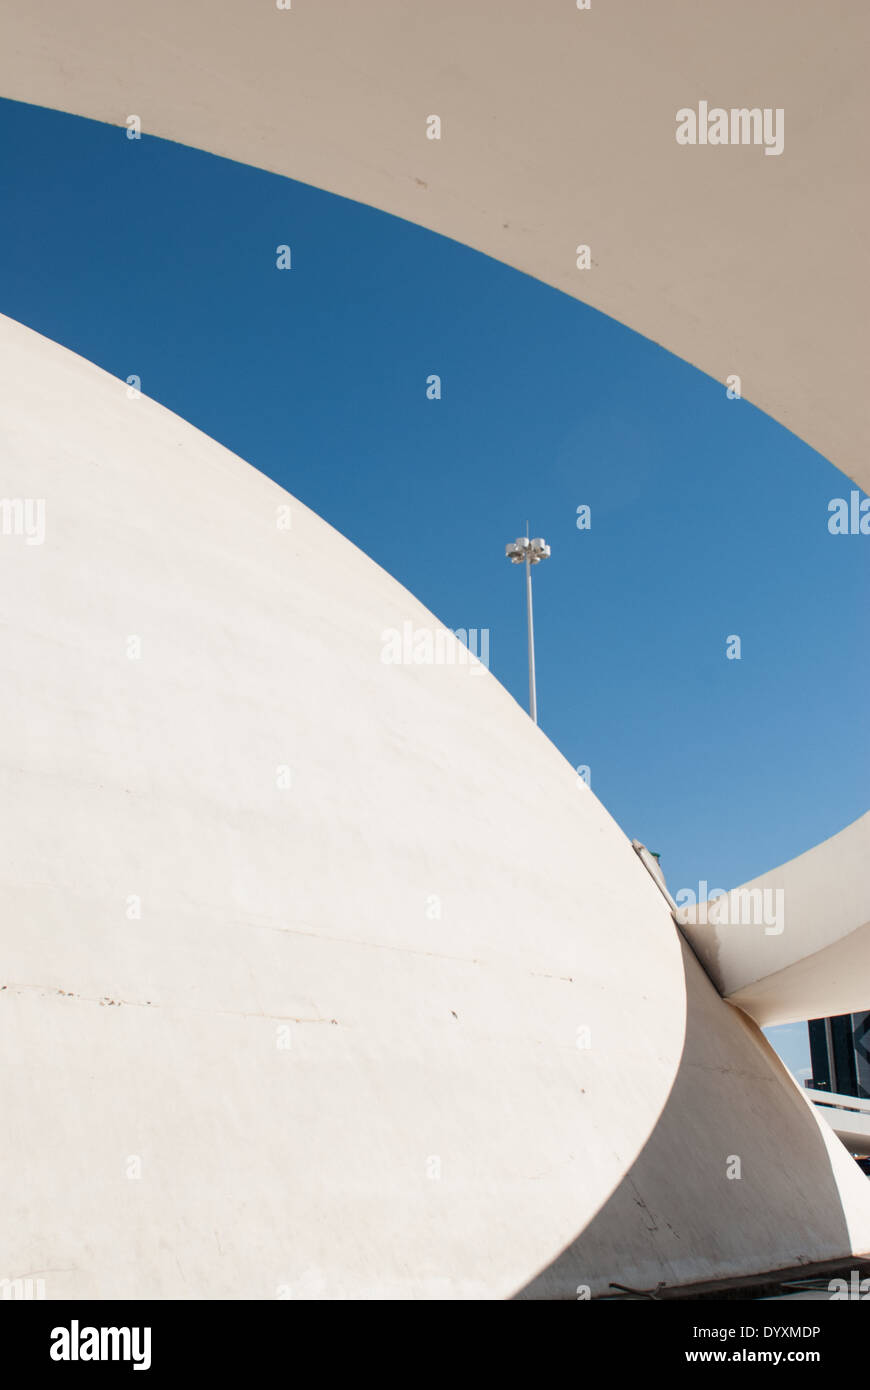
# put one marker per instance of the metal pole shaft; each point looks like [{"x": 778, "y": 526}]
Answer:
[{"x": 533, "y": 702}]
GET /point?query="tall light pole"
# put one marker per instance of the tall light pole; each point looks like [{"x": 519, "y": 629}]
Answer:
[{"x": 527, "y": 552}]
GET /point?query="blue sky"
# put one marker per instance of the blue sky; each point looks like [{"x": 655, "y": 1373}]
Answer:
[{"x": 708, "y": 518}]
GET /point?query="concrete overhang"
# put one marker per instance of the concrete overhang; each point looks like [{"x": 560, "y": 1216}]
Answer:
[
  {"x": 558, "y": 130},
  {"x": 794, "y": 943}
]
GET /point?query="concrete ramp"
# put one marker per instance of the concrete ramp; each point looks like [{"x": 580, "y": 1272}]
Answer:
[{"x": 298, "y": 998}]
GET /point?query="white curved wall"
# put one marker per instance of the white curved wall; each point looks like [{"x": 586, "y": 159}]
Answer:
[
  {"x": 793, "y": 1190},
  {"x": 412, "y": 1038},
  {"x": 156, "y": 777},
  {"x": 559, "y": 129}
]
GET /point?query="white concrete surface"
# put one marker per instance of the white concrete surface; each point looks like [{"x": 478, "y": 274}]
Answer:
[
  {"x": 848, "y": 1116},
  {"x": 733, "y": 1108},
  {"x": 558, "y": 130},
  {"x": 505, "y": 1071},
  {"x": 793, "y": 943}
]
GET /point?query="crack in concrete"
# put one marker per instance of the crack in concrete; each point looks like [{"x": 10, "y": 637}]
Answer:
[{"x": 106, "y": 1001}]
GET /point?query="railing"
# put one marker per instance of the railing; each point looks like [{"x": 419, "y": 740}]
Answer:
[{"x": 836, "y": 1101}]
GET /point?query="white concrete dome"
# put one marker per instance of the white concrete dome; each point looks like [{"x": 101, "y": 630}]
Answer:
[{"x": 249, "y": 823}]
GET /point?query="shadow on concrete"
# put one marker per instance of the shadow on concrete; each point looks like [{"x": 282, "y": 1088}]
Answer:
[{"x": 677, "y": 1217}]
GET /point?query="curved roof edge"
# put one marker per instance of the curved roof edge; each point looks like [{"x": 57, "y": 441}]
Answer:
[
  {"x": 793, "y": 943},
  {"x": 557, "y": 131}
]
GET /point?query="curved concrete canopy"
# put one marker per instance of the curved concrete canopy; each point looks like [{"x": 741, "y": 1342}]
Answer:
[
  {"x": 793, "y": 943},
  {"x": 299, "y": 996},
  {"x": 558, "y": 130}
]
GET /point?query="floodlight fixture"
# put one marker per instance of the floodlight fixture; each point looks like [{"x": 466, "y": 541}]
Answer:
[{"x": 524, "y": 551}]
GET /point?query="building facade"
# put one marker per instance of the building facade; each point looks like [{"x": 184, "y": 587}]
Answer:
[{"x": 840, "y": 1054}]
